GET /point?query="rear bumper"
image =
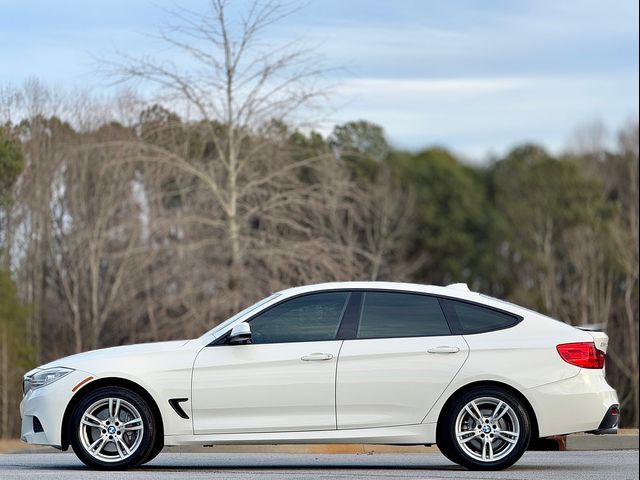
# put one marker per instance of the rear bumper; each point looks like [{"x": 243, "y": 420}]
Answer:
[
  {"x": 609, "y": 424},
  {"x": 577, "y": 404}
]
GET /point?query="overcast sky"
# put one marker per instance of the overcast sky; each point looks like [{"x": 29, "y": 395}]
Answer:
[{"x": 476, "y": 76}]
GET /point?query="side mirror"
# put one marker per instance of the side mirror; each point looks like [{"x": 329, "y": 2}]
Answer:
[{"x": 240, "y": 334}]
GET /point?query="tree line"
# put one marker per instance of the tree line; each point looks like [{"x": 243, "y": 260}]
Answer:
[{"x": 131, "y": 219}]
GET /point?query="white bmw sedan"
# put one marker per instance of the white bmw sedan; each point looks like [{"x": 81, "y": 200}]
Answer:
[{"x": 357, "y": 362}]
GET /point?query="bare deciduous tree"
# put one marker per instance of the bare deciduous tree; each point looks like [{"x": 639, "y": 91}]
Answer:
[{"x": 239, "y": 94}]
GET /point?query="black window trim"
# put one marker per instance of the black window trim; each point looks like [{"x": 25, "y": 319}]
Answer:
[{"x": 350, "y": 317}]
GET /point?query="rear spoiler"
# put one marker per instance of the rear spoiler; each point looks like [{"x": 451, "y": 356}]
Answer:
[{"x": 600, "y": 338}]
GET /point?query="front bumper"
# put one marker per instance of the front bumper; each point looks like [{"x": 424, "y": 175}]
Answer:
[{"x": 48, "y": 404}]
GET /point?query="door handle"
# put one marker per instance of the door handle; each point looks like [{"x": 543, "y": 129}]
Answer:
[
  {"x": 316, "y": 357},
  {"x": 444, "y": 350}
]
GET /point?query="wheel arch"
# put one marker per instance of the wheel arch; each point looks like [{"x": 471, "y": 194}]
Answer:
[
  {"x": 109, "y": 382},
  {"x": 492, "y": 383}
]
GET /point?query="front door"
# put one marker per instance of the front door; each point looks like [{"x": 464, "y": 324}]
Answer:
[{"x": 283, "y": 381}]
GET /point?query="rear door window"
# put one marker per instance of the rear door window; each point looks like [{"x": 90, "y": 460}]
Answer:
[{"x": 393, "y": 315}]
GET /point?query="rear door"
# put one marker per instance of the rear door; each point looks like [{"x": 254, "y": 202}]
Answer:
[{"x": 400, "y": 359}]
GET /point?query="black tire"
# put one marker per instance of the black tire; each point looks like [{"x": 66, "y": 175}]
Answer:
[
  {"x": 474, "y": 455},
  {"x": 155, "y": 451},
  {"x": 140, "y": 438}
]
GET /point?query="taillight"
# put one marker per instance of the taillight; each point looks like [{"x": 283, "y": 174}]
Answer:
[{"x": 582, "y": 354}]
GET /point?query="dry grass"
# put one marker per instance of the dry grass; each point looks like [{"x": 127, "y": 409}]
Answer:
[{"x": 8, "y": 445}]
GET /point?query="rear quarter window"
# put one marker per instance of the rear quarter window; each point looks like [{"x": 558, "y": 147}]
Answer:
[{"x": 472, "y": 318}]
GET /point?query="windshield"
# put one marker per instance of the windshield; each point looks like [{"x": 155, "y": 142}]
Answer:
[{"x": 242, "y": 313}]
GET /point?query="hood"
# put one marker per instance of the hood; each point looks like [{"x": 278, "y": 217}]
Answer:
[{"x": 79, "y": 360}]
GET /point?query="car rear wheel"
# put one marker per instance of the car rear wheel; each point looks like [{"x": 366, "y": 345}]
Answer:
[
  {"x": 484, "y": 429},
  {"x": 112, "y": 428}
]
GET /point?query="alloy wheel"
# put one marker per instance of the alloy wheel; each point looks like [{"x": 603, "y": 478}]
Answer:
[
  {"x": 487, "y": 429},
  {"x": 111, "y": 429}
]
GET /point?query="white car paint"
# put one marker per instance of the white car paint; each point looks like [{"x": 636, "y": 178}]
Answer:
[
  {"x": 264, "y": 388},
  {"x": 390, "y": 382},
  {"x": 369, "y": 391}
]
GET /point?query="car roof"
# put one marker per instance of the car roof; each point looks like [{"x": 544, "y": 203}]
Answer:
[{"x": 457, "y": 290}]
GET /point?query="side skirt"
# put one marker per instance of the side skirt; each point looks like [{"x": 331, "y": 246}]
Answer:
[{"x": 421, "y": 434}]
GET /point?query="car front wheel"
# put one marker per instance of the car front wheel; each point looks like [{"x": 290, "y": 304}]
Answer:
[
  {"x": 112, "y": 428},
  {"x": 484, "y": 429}
]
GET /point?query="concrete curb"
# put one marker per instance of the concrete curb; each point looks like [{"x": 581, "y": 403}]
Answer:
[{"x": 602, "y": 442}]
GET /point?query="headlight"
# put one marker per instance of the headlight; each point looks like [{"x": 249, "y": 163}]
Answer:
[{"x": 44, "y": 377}]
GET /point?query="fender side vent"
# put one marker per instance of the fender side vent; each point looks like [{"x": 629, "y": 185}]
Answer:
[
  {"x": 175, "y": 404},
  {"x": 37, "y": 426}
]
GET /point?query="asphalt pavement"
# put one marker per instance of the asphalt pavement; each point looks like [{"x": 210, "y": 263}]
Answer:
[{"x": 601, "y": 465}]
